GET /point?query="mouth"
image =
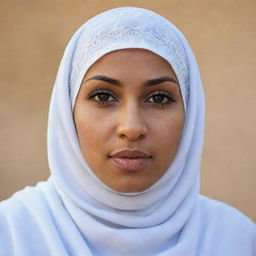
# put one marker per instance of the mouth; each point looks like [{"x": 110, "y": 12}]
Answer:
[{"x": 130, "y": 159}]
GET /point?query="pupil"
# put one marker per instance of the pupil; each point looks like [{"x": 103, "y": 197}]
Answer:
[
  {"x": 158, "y": 98},
  {"x": 103, "y": 97}
]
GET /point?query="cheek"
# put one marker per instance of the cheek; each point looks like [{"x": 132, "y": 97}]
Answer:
[
  {"x": 168, "y": 135},
  {"x": 93, "y": 129}
]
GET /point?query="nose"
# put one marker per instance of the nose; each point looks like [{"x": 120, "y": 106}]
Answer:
[{"x": 131, "y": 124}]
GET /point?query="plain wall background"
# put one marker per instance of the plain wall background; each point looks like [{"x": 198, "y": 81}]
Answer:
[{"x": 222, "y": 34}]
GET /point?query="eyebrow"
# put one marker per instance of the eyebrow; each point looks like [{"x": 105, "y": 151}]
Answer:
[{"x": 148, "y": 83}]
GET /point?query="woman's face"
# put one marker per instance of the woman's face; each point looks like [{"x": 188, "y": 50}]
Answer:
[{"x": 129, "y": 117}]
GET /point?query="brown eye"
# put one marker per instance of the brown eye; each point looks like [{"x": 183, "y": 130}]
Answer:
[
  {"x": 102, "y": 97},
  {"x": 160, "y": 98}
]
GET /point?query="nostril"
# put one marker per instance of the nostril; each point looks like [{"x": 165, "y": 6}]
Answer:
[{"x": 132, "y": 136}]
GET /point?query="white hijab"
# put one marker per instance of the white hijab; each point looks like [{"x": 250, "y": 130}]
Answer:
[{"x": 74, "y": 213}]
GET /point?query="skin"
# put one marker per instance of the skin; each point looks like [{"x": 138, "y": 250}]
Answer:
[{"x": 129, "y": 108}]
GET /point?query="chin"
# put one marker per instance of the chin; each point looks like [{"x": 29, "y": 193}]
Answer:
[{"x": 129, "y": 187}]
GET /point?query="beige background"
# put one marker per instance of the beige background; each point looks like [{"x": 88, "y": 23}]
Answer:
[{"x": 222, "y": 34}]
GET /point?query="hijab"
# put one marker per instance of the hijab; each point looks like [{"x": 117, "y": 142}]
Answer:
[{"x": 74, "y": 213}]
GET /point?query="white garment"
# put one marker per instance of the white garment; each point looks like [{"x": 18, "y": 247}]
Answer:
[{"x": 74, "y": 213}]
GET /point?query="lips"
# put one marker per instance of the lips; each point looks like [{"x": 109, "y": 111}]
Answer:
[{"x": 130, "y": 159}]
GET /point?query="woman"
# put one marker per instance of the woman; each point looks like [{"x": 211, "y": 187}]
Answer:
[{"x": 125, "y": 137}]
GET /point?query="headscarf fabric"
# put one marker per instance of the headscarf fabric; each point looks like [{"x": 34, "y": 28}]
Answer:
[{"x": 74, "y": 213}]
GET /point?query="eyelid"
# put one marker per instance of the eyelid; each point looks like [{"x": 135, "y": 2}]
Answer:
[
  {"x": 161, "y": 93},
  {"x": 165, "y": 94},
  {"x": 97, "y": 91},
  {"x": 93, "y": 95}
]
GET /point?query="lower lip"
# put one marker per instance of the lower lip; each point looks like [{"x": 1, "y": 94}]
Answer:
[{"x": 131, "y": 164}]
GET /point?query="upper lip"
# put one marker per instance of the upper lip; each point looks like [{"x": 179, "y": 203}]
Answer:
[{"x": 130, "y": 153}]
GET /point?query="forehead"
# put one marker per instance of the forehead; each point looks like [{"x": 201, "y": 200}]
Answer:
[{"x": 138, "y": 61}]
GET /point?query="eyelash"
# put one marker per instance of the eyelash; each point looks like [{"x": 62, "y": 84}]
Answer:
[
  {"x": 166, "y": 96},
  {"x": 96, "y": 93}
]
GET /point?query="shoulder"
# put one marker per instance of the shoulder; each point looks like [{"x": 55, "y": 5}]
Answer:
[
  {"x": 228, "y": 226},
  {"x": 21, "y": 200},
  {"x": 20, "y": 207},
  {"x": 15, "y": 218},
  {"x": 24, "y": 218},
  {"x": 30, "y": 202},
  {"x": 28, "y": 207},
  {"x": 217, "y": 210}
]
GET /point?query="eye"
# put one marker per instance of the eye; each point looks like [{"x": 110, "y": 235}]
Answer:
[
  {"x": 160, "y": 98},
  {"x": 102, "y": 96}
]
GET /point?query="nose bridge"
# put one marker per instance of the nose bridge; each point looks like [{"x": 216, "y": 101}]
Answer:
[{"x": 132, "y": 124}]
